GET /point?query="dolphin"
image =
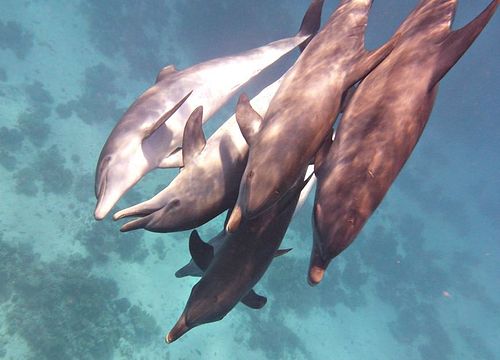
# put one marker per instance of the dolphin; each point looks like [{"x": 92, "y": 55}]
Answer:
[
  {"x": 304, "y": 109},
  {"x": 149, "y": 134},
  {"x": 209, "y": 181},
  {"x": 191, "y": 269},
  {"x": 230, "y": 274},
  {"x": 382, "y": 124}
]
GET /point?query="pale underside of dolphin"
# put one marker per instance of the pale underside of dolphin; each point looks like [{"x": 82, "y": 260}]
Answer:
[
  {"x": 382, "y": 124},
  {"x": 232, "y": 272},
  {"x": 303, "y": 111},
  {"x": 148, "y": 136}
]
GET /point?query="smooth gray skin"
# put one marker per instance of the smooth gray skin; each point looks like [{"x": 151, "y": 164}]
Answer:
[
  {"x": 131, "y": 150},
  {"x": 191, "y": 269},
  {"x": 236, "y": 267},
  {"x": 207, "y": 185},
  {"x": 304, "y": 108},
  {"x": 382, "y": 125}
]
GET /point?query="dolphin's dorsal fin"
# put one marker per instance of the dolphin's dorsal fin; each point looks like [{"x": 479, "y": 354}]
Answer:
[
  {"x": 371, "y": 59},
  {"x": 248, "y": 119},
  {"x": 201, "y": 252},
  {"x": 254, "y": 300},
  {"x": 280, "y": 252},
  {"x": 193, "y": 140},
  {"x": 166, "y": 71},
  {"x": 457, "y": 43},
  {"x": 311, "y": 22},
  {"x": 161, "y": 120}
]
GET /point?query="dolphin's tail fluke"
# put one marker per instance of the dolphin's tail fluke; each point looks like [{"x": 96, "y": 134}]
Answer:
[
  {"x": 459, "y": 41},
  {"x": 311, "y": 21}
]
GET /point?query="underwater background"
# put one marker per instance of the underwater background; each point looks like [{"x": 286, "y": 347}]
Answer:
[{"x": 422, "y": 281}]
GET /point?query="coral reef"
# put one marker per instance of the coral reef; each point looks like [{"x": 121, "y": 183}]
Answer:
[
  {"x": 37, "y": 93},
  {"x": 25, "y": 181},
  {"x": 55, "y": 177},
  {"x": 14, "y": 37},
  {"x": 63, "y": 311},
  {"x": 273, "y": 337},
  {"x": 8, "y": 161},
  {"x": 159, "y": 248},
  {"x": 142, "y": 42},
  {"x": 97, "y": 102},
  {"x": 48, "y": 169},
  {"x": 33, "y": 125},
  {"x": 221, "y": 15},
  {"x": 102, "y": 239},
  {"x": 10, "y": 139}
]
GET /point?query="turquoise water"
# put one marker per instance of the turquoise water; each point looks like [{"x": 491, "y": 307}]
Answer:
[{"x": 420, "y": 282}]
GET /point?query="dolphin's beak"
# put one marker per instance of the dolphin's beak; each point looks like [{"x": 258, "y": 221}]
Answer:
[
  {"x": 106, "y": 200},
  {"x": 316, "y": 274},
  {"x": 178, "y": 330},
  {"x": 100, "y": 211}
]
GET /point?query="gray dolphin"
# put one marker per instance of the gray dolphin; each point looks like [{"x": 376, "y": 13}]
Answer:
[
  {"x": 382, "y": 125},
  {"x": 209, "y": 181},
  {"x": 232, "y": 272},
  {"x": 149, "y": 134},
  {"x": 304, "y": 109},
  {"x": 191, "y": 269}
]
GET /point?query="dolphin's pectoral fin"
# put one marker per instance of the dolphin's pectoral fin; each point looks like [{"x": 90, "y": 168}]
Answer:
[
  {"x": 188, "y": 270},
  {"x": 254, "y": 300},
  {"x": 311, "y": 22},
  {"x": 193, "y": 140},
  {"x": 322, "y": 152},
  {"x": 166, "y": 71},
  {"x": 280, "y": 252},
  {"x": 457, "y": 43},
  {"x": 234, "y": 219},
  {"x": 371, "y": 59},
  {"x": 164, "y": 117},
  {"x": 248, "y": 119},
  {"x": 201, "y": 252},
  {"x": 173, "y": 160}
]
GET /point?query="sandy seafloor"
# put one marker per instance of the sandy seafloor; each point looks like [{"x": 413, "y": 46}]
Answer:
[{"x": 420, "y": 282}]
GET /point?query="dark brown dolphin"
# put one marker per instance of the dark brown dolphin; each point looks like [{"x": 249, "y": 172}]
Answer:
[
  {"x": 233, "y": 271},
  {"x": 149, "y": 135},
  {"x": 191, "y": 269},
  {"x": 382, "y": 124},
  {"x": 304, "y": 109}
]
